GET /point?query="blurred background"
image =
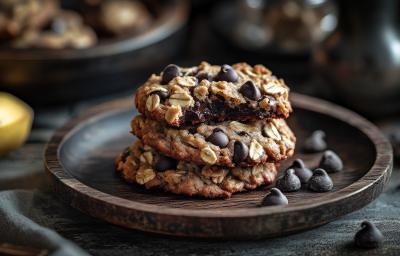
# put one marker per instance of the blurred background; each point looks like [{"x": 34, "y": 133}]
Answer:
[{"x": 61, "y": 57}]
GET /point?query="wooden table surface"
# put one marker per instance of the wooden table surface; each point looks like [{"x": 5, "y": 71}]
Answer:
[{"x": 24, "y": 169}]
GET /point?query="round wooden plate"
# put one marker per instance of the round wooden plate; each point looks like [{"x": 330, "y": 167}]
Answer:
[{"x": 79, "y": 159}]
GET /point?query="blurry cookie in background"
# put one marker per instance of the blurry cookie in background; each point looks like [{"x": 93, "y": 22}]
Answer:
[
  {"x": 65, "y": 30},
  {"x": 17, "y": 16},
  {"x": 49, "y": 24},
  {"x": 117, "y": 17}
]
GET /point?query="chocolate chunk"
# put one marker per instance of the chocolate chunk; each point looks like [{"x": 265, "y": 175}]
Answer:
[
  {"x": 125, "y": 154},
  {"x": 288, "y": 182},
  {"x": 192, "y": 115},
  {"x": 161, "y": 94},
  {"x": 219, "y": 138},
  {"x": 170, "y": 72},
  {"x": 369, "y": 236},
  {"x": 240, "y": 152},
  {"x": 315, "y": 143},
  {"x": 250, "y": 91},
  {"x": 204, "y": 76},
  {"x": 227, "y": 73},
  {"x": 165, "y": 163},
  {"x": 331, "y": 162},
  {"x": 301, "y": 171},
  {"x": 275, "y": 197},
  {"x": 320, "y": 181}
]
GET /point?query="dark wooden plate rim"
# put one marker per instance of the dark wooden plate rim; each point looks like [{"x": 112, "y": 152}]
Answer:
[
  {"x": 379, "y": 172},
  {"x": 170, "y": 21}
]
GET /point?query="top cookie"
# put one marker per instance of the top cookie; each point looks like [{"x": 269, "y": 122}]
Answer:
[{"x": 180, "y": 96}]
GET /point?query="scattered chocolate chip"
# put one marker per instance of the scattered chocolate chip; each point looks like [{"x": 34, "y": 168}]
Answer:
[
  {"x": 320, "y": 181},
  {"x": 369, "y": 236},
  {"x": 165, "y": 163},
  {"x": 301, "y": 170},
  {"x": 161, "y": 94},
  {"x": 331, "y": 162},
  {"x": 170, "y": 72},
  {"x": 227, "y": 73},
  {"x": 288, "y": 182},
  {"x": 204, "y": 76},
  {"x": 316, "y": 142},
  {"x": 218, "y": 138},
  {"x": 275, "y": 197},
  {"x": 250, "y": 91},
  {"x": 240, "y": 152},
  {"x": 125, "y": 154}
]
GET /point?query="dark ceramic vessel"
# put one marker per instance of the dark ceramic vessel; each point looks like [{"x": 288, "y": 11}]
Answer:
[
  {"x": 42, "y": 76},
  {"x": 361, "y": 60}
]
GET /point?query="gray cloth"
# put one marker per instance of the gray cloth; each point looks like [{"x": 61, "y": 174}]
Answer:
[{"x": 22, "y": 224}]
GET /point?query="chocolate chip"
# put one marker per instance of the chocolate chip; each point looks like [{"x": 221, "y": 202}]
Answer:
[
  {"x": 275, "y": 197},
  {"x": 369, "y": 236},
  {"x": 331, "y": 162},
  {"x": 192, "y": 116},
  {"x": 125, "y": 154},
  {"x": 227, "y": 73},
  {"x": 250, "y": 91},
  {"x": 204, "y": 76},
  {"x": 218, "y": 138},
  {"x": 163, "y": 95},
  {"x": 288, "y": 182},
  {"x": 165, "y": 163},
  {"x": 272, "y": 103},
  {"x": 315, "y": 143},
  {"x": 320, "y": 181},
  {"x": 59, "y": 26},
  {"x": 170, "y": 72},
  {"x": 301, "y": 171},
  {"x": 243, "y": 133},
  {"x": 240, "y": 152}
]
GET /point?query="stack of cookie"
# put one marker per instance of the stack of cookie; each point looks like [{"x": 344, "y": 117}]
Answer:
[{"x": 209, "y": 130}]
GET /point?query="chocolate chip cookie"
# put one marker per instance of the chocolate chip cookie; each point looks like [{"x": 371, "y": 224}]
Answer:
[
  {"x": 143, "y": 165},
  {"x": 229, "y": 143},
  {"x": 65, "y": 30},
  {"x": 117, "y": 17},
  {"x": 181, "y": 96}
]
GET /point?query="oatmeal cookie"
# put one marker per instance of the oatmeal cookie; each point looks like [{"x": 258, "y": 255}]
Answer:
[
  {"x": 180, "y": 96},
  {"x": 143, "y": 165},
  {"x": 17, "y": 16},
  {"x": 65, "y": 30},
  {"x": 117, "y": 17},
  {"x": 229, "y": 143}
]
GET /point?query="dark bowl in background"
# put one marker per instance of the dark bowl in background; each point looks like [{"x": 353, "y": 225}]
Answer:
[{"x": 46, "y": 77}]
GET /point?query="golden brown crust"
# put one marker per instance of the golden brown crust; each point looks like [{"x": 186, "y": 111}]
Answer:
[{"x": 137, "y": 166}]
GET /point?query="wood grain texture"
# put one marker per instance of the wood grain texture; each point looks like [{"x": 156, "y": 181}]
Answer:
[{"x": 79, "y": 160}]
